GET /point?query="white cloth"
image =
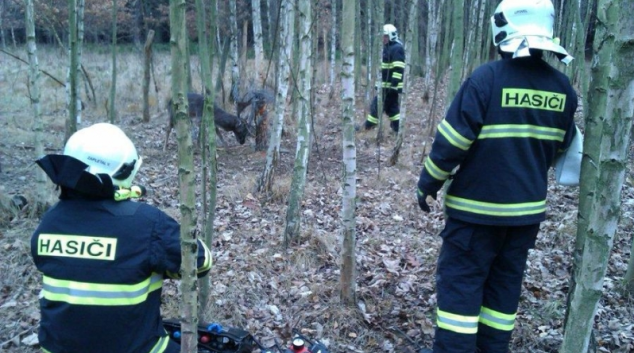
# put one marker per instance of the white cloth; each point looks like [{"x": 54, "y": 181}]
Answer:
[{"x": 568, "y": 164}]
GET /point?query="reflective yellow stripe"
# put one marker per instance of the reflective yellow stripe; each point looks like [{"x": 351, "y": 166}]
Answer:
[
  {"x": 495, "y": 209},
  {"x": 208, "y": 260},
  {"x": 400, "y": 64},
  {"x": 434, "y": 171},
  {"x": 496, "y": 319},
  {"x": 533, "y": 99},
  {"x": 517, "y": 130},
  {"x": 457, "y": 323},
  {"x": 395, "y": 117},
  {"x": 453, "y": 136},
  {"x": 397, "y": 75},
  {"x": 372, "y": 119},
  {"x": 161, "y": 345},
  {"x": 83, "y": 293},
  {"x": 386, "y": 66}
]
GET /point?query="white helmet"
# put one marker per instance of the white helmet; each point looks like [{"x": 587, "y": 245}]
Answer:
[
  {"x": 519, "y": 25},
  {"x": 106, "y": 150},
  {"x": 390, "y": 31}
]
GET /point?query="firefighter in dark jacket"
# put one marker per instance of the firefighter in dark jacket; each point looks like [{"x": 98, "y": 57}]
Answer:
[
  {"x": 103, "y": 257},
  {"x": 392, "y": 70},
  {"x": 502, "y": 132}
]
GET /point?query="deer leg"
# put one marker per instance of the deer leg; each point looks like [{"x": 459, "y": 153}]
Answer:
[
  {"x": 219, "y": 134},
  {"x": 167, "y": 136}
]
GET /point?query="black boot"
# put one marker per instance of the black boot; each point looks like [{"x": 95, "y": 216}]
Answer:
[{"x": 395, "y": 125}]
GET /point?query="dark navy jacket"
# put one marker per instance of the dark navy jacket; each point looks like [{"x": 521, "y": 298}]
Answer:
[
  {"x": 393, "y": 66},
  {"x": 103, "y": 264},
  {"x": 502, "y": 132}
]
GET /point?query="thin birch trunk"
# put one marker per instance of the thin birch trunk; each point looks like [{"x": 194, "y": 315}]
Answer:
[
  {"x": 186, "y": 178},
  {"x": 333, "y": 43},
  {"x": 293, "y": 214},
  {"x": 256, "y": 14},
  {"x": 147, "y": 69},
  {"x": 349, "y": 182},
  {"x": 233, "y": 54},
  {"x": 287, "y": 32},
  {"x": 71, "y": 77},
  {"x": 455, "y": 76}
]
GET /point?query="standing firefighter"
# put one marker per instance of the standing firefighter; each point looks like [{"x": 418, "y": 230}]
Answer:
[
  {"x": 392, "y": 69},
  {"x": 502, "y": 132},
  {"x": 103, "y": 257}
]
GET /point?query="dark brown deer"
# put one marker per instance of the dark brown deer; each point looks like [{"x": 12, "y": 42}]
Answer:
[{"x": 224, "y": 120}]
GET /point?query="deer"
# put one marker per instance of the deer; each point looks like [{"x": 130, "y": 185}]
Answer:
[{"x": 222, "y": 119}]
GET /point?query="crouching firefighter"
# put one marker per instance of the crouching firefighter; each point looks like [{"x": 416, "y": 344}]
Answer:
[
  {"x": 103, "y": 257},
  {"x": 503, "y": 130},
  {"x": 392, "y": 70}
]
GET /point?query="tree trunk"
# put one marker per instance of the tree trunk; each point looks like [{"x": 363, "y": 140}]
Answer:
[
  {"x": 257, "y": 35},
  {"x": 333, "y": 44},
  {"x": 378, "y": 54},
  {"x": 147, "y": 65},
  {"x": 113, "y": 85},
  {"x": 287, "y": 32},
  {"x": 608, "y": 131},
  {"x": 71, "y": 80},
  {"x": 186, "y": 179},
  {"x": 349, "y": 182},
  {"x": 208, "y": 155},
  {"x": 433, "y": 24},
  {"x": 407, "y": 81},
  {"x": 233, "y": 53},
  {"x": 41, "y": 196},
  {"x": 455, "y": 76},
  {"x": 293, "y": 214}
]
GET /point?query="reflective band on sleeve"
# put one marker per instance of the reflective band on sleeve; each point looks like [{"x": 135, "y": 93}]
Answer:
[
  {"x": 161, "y": 345},
  {"x": 457, "y": 323},
  {"x": 497, "y": 320},
  {"x": 453, "y": 136},
  {"x": 434, "y": 171},
  {"x": 525, "y": 131},
  {"x": 83, "y": 293},
  {"x": 495, "y": 209},
  {"x": 207, "y": 263}
]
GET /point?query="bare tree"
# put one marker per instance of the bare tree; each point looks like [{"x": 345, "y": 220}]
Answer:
[
  {"x": 287, "y": 33},
  {"x": 606, "y": 145},
  {"x": 256, "y": 14},
  {"x": 113, "y": 85},
  {"x": 186, "y": 179},
  {"x": 293, "y": 214},
  {"x": 71, "y": 78},
  {"x": 349, "y": 182}
]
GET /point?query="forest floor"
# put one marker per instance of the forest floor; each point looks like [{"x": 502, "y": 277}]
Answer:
[{"x": 261, "y": 286}]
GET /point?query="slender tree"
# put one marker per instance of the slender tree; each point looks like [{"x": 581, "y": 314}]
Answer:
[
  {"x": 256, "y": 15},
  {"x": 71, "y": 78},
  {"x": 287, "y": 19},
  {"x": 113, "y": 72},
  {"x": 147, "y": 69},
  {"x": 293, "y": 213},
  {"x": 208, "y": 132},
  {"x": 333, "y": 43},
  {"x": 608, "y": 131},
  {"x": 186, "y": 180},
  {"x": 349, "y": 182},
  {"x": 34, "y": 88},
  {"x": 233, "y": 53},
  {"x": 455, "y": 75},
  {"x": 408, "y": 79}
]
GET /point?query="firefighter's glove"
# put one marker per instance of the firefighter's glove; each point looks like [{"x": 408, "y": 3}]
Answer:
[{"x": 422, "y": 200}]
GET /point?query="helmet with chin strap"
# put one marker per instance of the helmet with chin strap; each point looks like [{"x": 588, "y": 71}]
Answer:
[{"x": 106, "y": 150}]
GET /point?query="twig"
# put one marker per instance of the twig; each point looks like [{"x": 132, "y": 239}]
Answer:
[{"x": 43, "y": 71}]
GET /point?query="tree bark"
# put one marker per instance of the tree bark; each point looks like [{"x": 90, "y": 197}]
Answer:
[
  {"x": 233, "y": 53},
  {"x": 349, "y": 182},
  {"x": 186, "y": 178},
  {"x": 71, "y": 78},
  {"x": 256, "y": 15},
  {"x": 293, "y": 214},
  {"x": 287, "y": 32},
  {"x": 406, "y": 81},
  {"x": 608, "y": 131},
  {"x": 147, "y": 66},
  {"x": 113, "y": 84}
]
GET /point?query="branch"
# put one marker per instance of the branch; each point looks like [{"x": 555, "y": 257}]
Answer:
[{"x": 43, "y": 71}]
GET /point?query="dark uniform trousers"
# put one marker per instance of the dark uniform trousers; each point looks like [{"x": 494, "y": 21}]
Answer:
[
  {"x": 391, "y": 107},
  {"x": 479, "y": 279}
]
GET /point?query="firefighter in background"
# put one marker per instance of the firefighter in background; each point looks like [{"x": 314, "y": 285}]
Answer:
[
  {"x": 502, "y": 132},
  {"x": 392, "y": 70},
  {"x": 103, "y": 257}
]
